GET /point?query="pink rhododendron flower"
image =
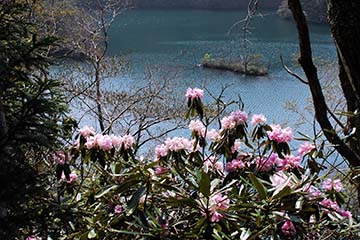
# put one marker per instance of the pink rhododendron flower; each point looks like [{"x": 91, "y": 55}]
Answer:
[
  {"x": 280, "y": 178},
  {"x": 127, "y": 141},
  {"x": 234, "y": 165},
  {"x": 329, "y": 205},
  {"x": 288, "y": 228},
  {"x": 258, "y": 119},
  {"x": 90, "y": 143},
  {"x": 104, "y": 142},
  {"x": 236, "y": 147},
  {"x": 161, "y": 170},
  {"x": 346, "y": 214},
  {"x": 161, "y": 150},
  {"x": 330, "y": 184},
  {"x": 305, "y": 148},
  {"x": 213, "y": 135},
  {"x": 193, "y": 93},
  {"x": 219, "y": 166},
  {"x": 178, "y": 143},
  {"x": 291, "y": 162},
  {"x": 280, "y": 135},
  {"x": 198, "y": 127},
  {"x": 87, "y": 131},
  {"x": 216, "y": 217},
  {"x": 235, "y": 119},
  {"x": 118, "y": 209},
  {"x": 116, "y": 141},
  {"x": 313, "y": 192},
  {"x": 218, "y": 202},
  {"x": 59, "y": 157},
  {"x": 72, "y": 177}
]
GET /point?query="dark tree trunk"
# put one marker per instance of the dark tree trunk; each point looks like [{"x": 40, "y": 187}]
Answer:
[{"x": 344, "y": 19}]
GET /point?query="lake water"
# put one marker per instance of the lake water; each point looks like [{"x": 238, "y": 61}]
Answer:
[{"x": 174, "y": 41}]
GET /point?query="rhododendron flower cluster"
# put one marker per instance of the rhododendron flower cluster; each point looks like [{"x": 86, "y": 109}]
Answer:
[
  {"x": 198, "y": 127},
  {"x": 234, "y": 165},
  {"x": 60, "y": 157},
  {"x": 305, "y": 148},
  {"x": 193, "y": 93},
  {"x": 288, "y": 228},
  {"x": 218, "y": 203},
  {"x": 87, "y": 131},
  {"x": 330, "y": 205},
  {"x": 258, "y": 119},
  {"x": 118, "y": 209},
  {"x": 174, "y": 145},
  {"x": 105, "y": 142},
  {"x": 234, "y": 119},
  {"x": 213, "y": 135},
  {"x": 280, "y": 135},
  {"x": 330, "y": 185},
  {"x": 72, "y": 178},
  {"x": 279, "y": 178}
]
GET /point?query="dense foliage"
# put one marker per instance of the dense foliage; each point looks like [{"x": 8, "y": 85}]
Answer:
[{"x": 31, "y": 107}]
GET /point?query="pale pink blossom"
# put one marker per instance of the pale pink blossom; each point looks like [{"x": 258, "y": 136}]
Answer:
[
  {"x": 288, "y": 228},
  {"x": 118, "y": 209},
  {"x": 219, "y": 166},
  {"x": 213, "y": 135},
  {"x": 104, "y": 142},
  {"x": 198, "y": 127},
  {"x": 87, "y": 131},
  {"x": 219, "y": 202},
  {"x": 179, "y": 143},
  {"x": 280, "y": 178},
  {"x": 280, "y": 135},
  {"x": 216, "y": 217},
  {"x": 305, "y": 148},
  {"x": 128, "y": 141},
  {"x": 193, "y": 93},
  {"x": 116, "y": 141},
  {"x": 236, "y": 147},
  {"x": 90, "y": 143},
  {"x": 330, "y": 185},
  {"x": 210, "y": 161},
  {"x": 235, "y": 119},
  {"x": 258, "y": 119},
  {"x": 161, "y": 151}
]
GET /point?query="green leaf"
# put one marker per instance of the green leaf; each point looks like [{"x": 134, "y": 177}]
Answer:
[
  {"x": 278, "y": 194},
  {"x": 258, "y": 185},
  {"x": 204, "y": 185},
  {"x": 106, "y": 190},
  {"x": 134, "y": 201}
]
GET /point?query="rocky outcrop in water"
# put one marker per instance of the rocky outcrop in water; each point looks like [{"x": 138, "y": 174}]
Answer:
[
  {"x": 315, "y": 10},
  {"x": 204, "y": 4}
]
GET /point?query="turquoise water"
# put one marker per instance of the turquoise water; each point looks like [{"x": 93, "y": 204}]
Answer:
[{"x": 172, "y": 43}]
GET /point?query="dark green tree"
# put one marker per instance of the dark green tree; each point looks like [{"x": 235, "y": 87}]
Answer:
[{"x": 31, "y": 110}]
